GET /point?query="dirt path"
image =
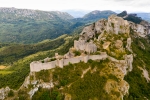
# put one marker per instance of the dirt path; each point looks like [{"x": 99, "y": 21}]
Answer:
[{"x": 2, "y": 67}]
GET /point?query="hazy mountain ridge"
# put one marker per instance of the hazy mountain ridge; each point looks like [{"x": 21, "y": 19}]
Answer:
[
  {"x": 130, "y": 17},
  {"x": 94, "y": 16},
  {"x": 97, "y": 13},
  {"x": 32, "y": 26},
  {"x": 13, "y": 13},
  {"x": 145, "y": 16}
]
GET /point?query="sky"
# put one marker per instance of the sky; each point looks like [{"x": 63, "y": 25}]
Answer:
[{"x": 88, "y": 5}]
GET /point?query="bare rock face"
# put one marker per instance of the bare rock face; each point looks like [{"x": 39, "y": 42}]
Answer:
[
  {"x": 145, "y": 74},
  {"x": 146, "y": 25},
  {"x": 4, "y": 92},
  {"x": 87, "y": 33},
  {"x": 128, "y": 46},
  {"x": 121, "y": 87},
  {"x": 32, "y": 92},
  {"x": 117, "y": 25},
  {"x": 106, "y": 45},
  {"x": 114, "y": 25},
  {"x": 141, "y": 30},
  {"x": 129, "y": 61},
  {"x": 100, "y": 26},
  {"x": 118, "y": 44}
]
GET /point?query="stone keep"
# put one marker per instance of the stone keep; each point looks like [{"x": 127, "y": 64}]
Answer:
[{"x": 89, "y": 47}]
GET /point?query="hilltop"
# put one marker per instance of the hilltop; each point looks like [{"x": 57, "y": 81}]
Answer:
[{"x": 109, "y": 60}]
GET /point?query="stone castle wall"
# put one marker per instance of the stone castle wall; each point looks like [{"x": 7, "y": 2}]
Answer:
[{"x": 37, "y": 66}]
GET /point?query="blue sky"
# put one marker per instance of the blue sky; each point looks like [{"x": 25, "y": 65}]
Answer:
[{"x": 89, "y": 5}]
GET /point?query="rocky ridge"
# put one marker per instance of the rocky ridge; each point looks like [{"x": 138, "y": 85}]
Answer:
[{"x": 110, "y": 37}]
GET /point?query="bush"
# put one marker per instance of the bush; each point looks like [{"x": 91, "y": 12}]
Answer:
[
  {"x": 11, "y": 93},
  {"x": 77, "y": 53}
]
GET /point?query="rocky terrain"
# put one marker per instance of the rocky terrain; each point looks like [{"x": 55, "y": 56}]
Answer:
[{"x": 109, "y": 61}]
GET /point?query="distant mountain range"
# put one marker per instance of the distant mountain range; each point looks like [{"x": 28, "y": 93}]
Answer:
[
  {"x": 145, "y": 16},
  {"x": 32, "y": 26},
  {"x": 81, "y": 13},
  {"x": 8, "y": 13},
  {"x": 77, "y": 13}
]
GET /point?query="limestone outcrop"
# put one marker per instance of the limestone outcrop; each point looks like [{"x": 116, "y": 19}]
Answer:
[
  {"x": 140, "y": 29},
  {"x": 87, "y": 33},
  {"x": 117, "y": 25},
  {"x": 118, "y": 44},
  {"x": 129, "y": 61},
  {"x": 145, "y": 74},
  {"x": 100, "y": 26},
  {"x": 128, "y": 46},
  {"x": 121, "y": 87},
  {"x": 106, "y": 45},
  {"x": 114, "y": 25},
  {"x": 4, "y": 92}
]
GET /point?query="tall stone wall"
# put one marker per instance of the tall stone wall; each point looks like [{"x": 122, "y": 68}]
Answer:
[
  {"x": 37, "y": 66},
  {"x": 82, "y": 45},
  {"x": 72, "y": 60}
]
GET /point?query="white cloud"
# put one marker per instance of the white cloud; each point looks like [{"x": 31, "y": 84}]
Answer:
[{"x": 129, "y": 5}]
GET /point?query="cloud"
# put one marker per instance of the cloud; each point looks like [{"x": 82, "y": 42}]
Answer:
[{"x": 129, "y": 5}]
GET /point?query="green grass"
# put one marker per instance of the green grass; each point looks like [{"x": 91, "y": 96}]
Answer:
[{"x": 5, "y": 72}]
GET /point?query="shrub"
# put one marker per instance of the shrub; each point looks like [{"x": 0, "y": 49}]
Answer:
[
  {"x": 53, "y": 59},
  {"x": 11, "y": 93},
  {"x": 77, "y": 53}
]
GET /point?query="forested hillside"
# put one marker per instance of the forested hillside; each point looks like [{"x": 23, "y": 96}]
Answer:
[{"x": 17, "y": 58}]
